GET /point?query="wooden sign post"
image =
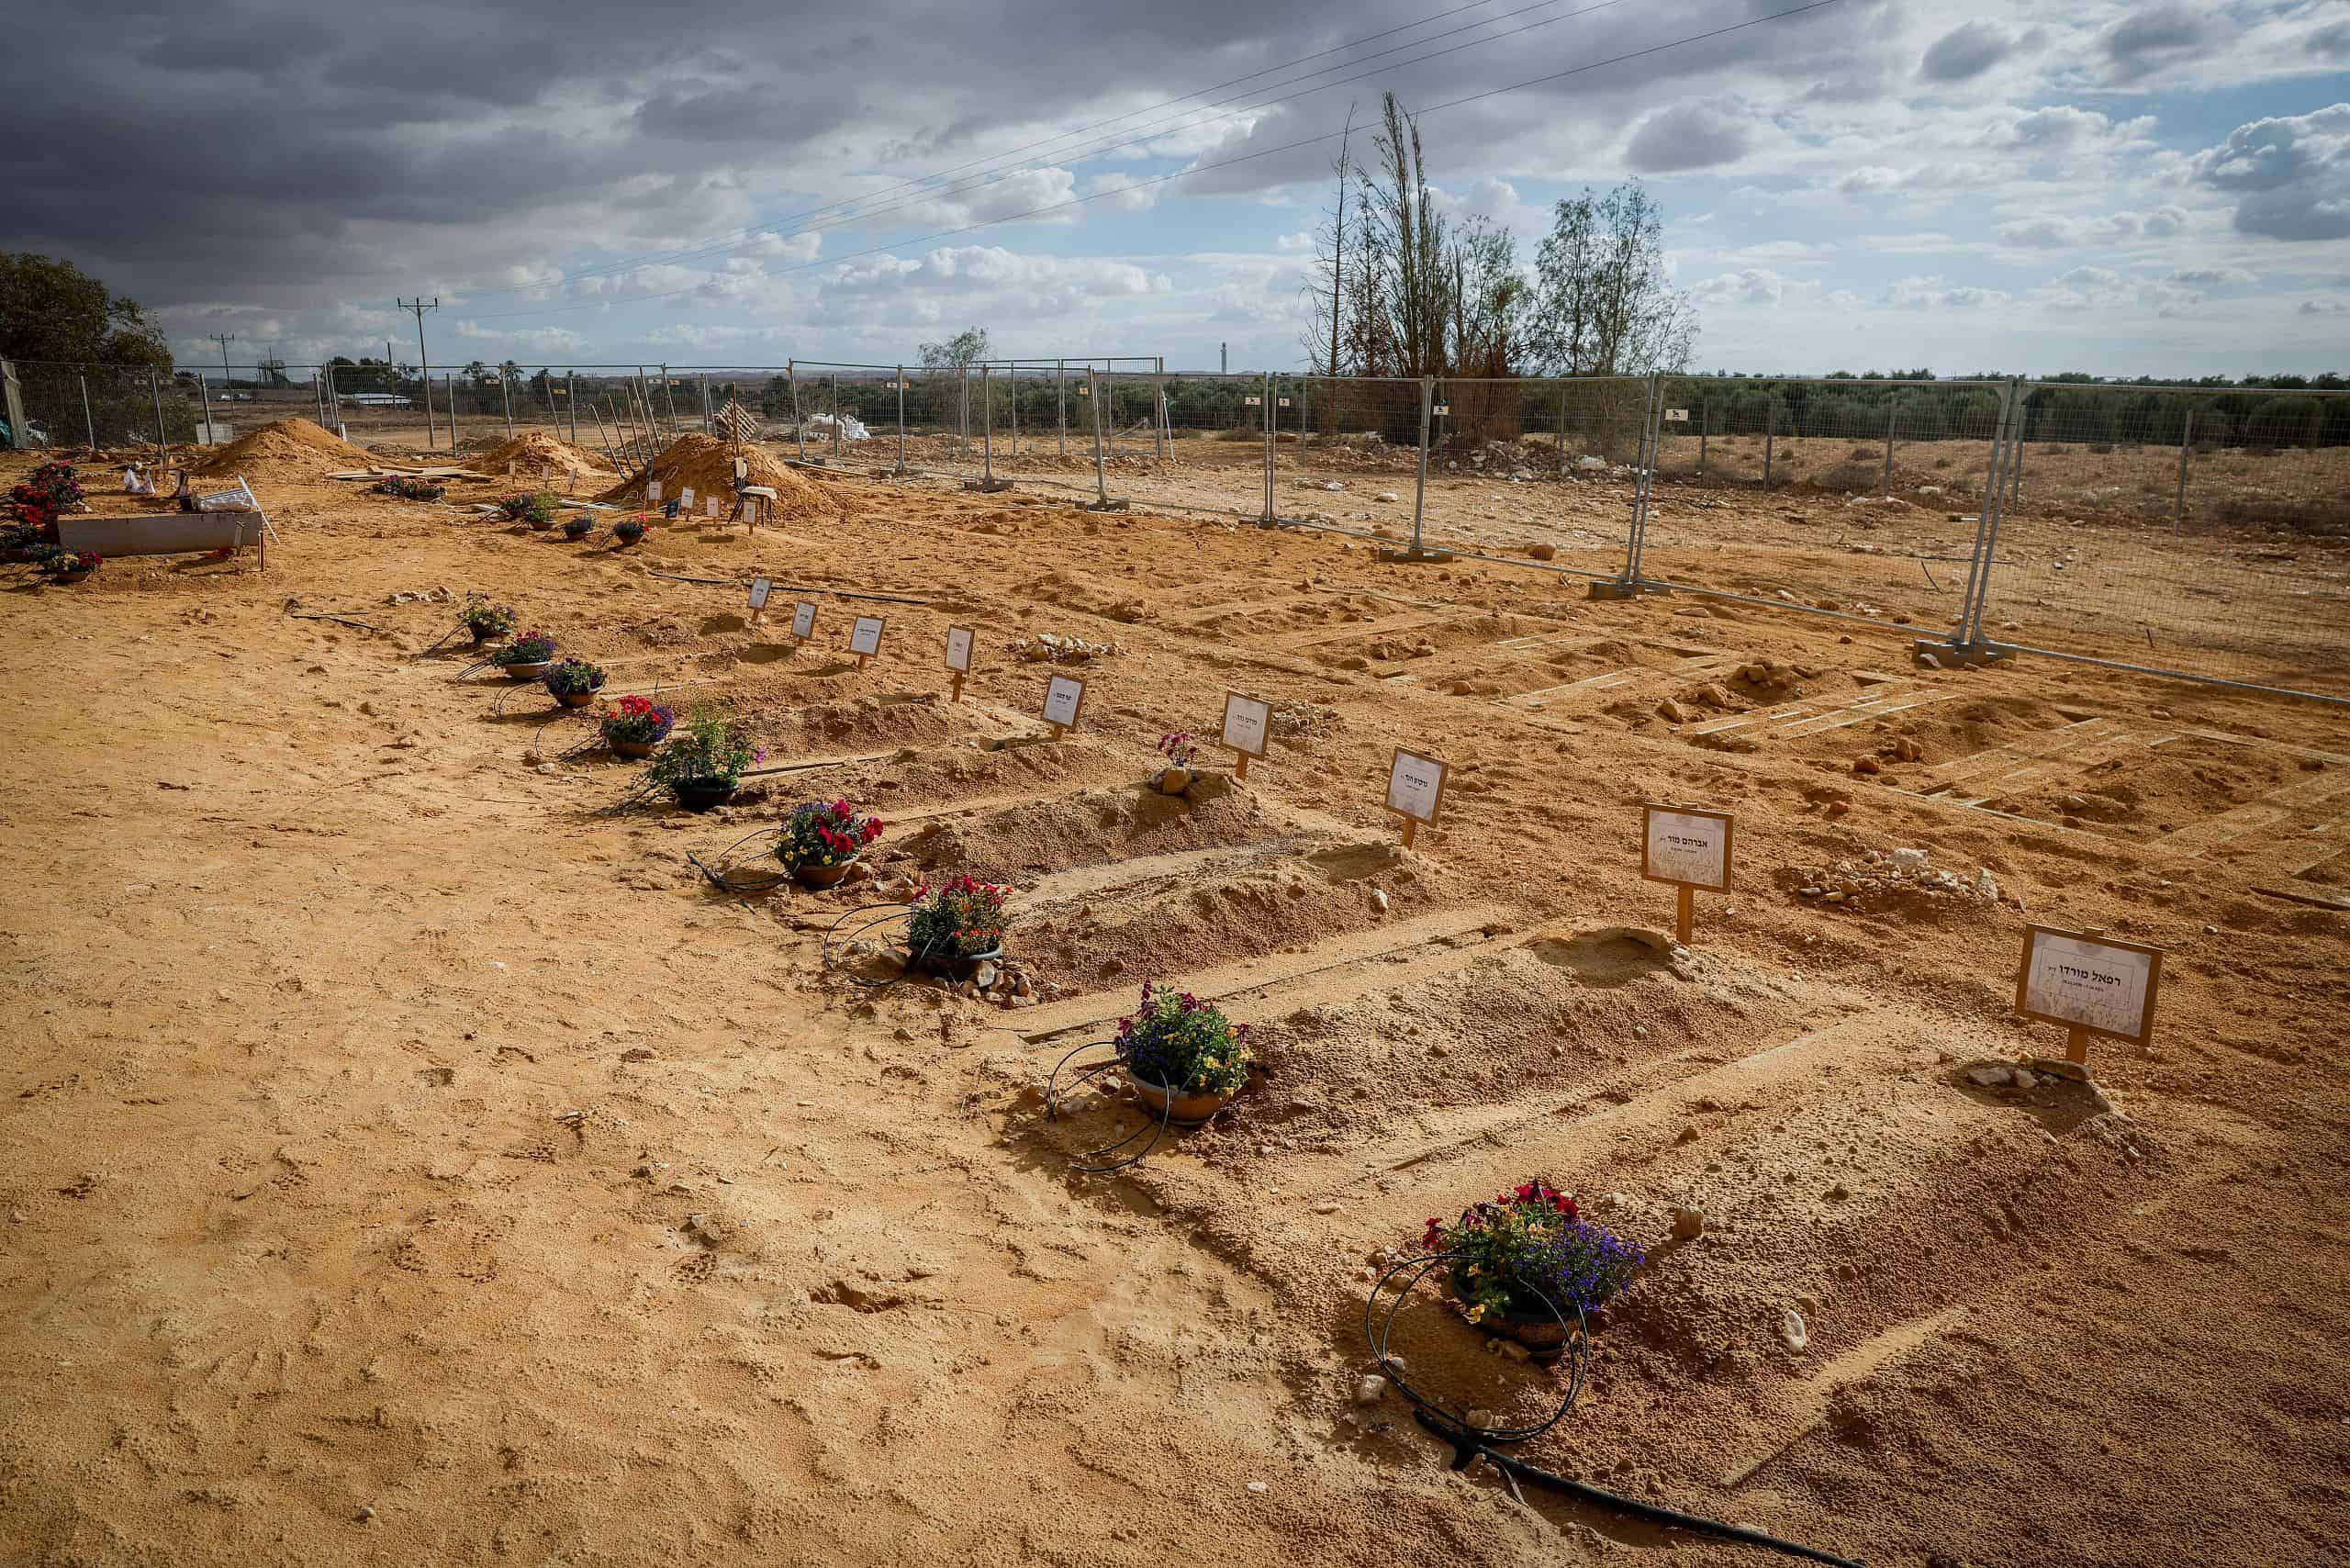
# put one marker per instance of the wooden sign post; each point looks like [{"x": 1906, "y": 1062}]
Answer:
[
  {"x": 1688, "y": 847},
  {"x": 865, "y": 638},
  {"x": 1246, "y": 722},
  {"x": 1064, "y": 699},
  {"x": 804, "y": 620},
  {"x": 1415, "y": 789},
  {"x": 653, "y": 489},
  {"x": 958, "y": 656},
  {"x": 2090, "y": 984},
  {"x": 760, "y": 589},
  {"x": 685, "y": 500},
  {"x": 709, "y": 507}
]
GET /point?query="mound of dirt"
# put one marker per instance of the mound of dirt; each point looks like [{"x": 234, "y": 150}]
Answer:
[
  {"x": 285, "y": 449},
  {"x": 536, "y": 452},
  {"x": 707, "y": 463}
]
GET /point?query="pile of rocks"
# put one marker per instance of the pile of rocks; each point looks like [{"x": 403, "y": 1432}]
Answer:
[
  {"x": 1005, "y": 982},
  {"x": 1901, "y": 872},
  {"x": 1055, "y": 647},
  {"x": 1195, "y": 785}
]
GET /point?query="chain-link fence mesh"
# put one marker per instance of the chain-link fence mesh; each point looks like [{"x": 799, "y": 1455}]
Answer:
[
  {"x": 2205, "y": 532},
  {"x": 1877, "y": 487}
]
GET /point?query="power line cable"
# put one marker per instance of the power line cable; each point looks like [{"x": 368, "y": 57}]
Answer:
[{"x": 1196, "y": 169}]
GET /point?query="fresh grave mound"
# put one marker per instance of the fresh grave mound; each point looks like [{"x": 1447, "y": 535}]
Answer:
[
  {"x": 285, "y": 449},
  {"x": 1089, "y": 829},
  {"x": 707, "y": 463},
  {"x": 536, "y": 452}
]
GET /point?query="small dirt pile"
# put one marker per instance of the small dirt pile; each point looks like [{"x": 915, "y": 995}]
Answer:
[
  {"x": 536, "y": 452},
  {"x": 284, "y": 449},
  {"x": 707, "y": 463}
]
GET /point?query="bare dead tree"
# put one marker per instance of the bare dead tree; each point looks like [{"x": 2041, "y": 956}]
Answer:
[{"x": 1327, "y": 291}]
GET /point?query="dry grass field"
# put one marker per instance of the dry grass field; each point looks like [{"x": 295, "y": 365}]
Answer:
[{"x": 405, "y": 1155}]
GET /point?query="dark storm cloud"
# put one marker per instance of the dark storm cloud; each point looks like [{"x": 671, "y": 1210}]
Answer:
[
  {"x": 1965, "y": 51},
  {"x": 290, "y": 156}
]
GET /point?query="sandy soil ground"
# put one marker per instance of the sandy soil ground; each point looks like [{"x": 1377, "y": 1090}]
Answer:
[{"x": 407, "y": 1157}]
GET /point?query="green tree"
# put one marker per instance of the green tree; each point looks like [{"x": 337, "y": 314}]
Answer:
[{"x": 52, "y": 310}]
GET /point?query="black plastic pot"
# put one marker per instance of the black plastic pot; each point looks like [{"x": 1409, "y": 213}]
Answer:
[
  {"x": 703, "y": 794},
  {"x": 957, "y": 966}
]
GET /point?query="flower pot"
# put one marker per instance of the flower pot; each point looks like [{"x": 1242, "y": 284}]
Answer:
[
  {"x": 957, "y": 966},
  {"x": 579, "y": 528},
  {"x": 482, "y": 638},
  {"x": 526, "y": 672},
  {"x": 703, "y": 794},
  {"x": 70, "y": 577},
  {"x": 823, "y": 877},
  {"x": 632, "y": 748},
  {"x": 1188, "y": 1109},
  {"x": 575, "y": 699},
  {"x": 537, "y": 527},
  {"x": 1532, "y": 1325}
]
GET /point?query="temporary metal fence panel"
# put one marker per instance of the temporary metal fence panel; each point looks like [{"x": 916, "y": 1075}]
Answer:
[
  {"x": 1876, "y": 486},
  {"x": 2203, "y": 532}
]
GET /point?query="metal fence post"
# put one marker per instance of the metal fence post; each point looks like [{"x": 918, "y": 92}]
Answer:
[
  {"x": 1643, "y": 476},
  {"x": 156, "y": 390},
  {"x": 1164, "y": 433},
  {"x": 1269, "y": 439},
  {"x": 1060, "y": 402},
  {"x": 799, "y": 426},
  {"x": 1968, "y": 630},
  {"x": 1892, "y": 413},
  {"x": 1420, "y": 484},
  {"x": 88, "y": 422},
  {"x": 2015, "y": 463},
  {"x": 506, "y": 396},
  {"x": 836, "y": 415},
  {"x": 901, "y": 420},
  {"x": 1015, "y": 407},
  {"x": 1770, "y": 433},
  {"x": 705, "y": 404},
  {"x": 987, "y": 424},
  {"x": 1101, "y": 479},
  {"x": 571, "y": 396},
  {"x": 1705, "y": 430},
  {"x": 2186, "y": 445},
  {"x": 203, "y": 390},
  {"x": 1562, "y": 430}
]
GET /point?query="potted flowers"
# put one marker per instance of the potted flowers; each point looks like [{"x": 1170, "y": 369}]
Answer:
[
  {"x": 573, "y": 682},
  {"x": 957, "y": 927},
  {"x": 1176, "y": 776},
  {"x": 628, "y": 531},
  {"x": 636, "y": 724},
  {"x": 39, "y": 501},
  {"x": 1528, "y": 1265},
  {"x": 577, "y": 528},
  {"x": 1183, "y": 1056},
  {"x": 407, "y": 489},
  {"x": 69, "y": 566},
  {"x": 703, "y": 767},
  {"x": 538, "y": 509},
  {"x": 820, "y": 841},
  {"x": 487, "y": 622},
  {"x": 526, "y": 657}
]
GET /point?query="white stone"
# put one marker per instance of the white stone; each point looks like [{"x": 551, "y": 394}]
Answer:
[
  {"x": 1792, "y": 1332},
  {"x": 1907, "y": 860}
]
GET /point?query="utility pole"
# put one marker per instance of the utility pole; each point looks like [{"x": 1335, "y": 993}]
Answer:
[
  {"x": 424, "y": 367},
  {"x": 224, "y": 339}
]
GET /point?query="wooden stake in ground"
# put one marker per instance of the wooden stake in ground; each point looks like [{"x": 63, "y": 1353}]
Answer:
[
  {"x": 958, "y": 656},
  {"x": 1247, "y": 723},
  {"x": 1415, "y": 789},
  {"x": 2088, "y": 983},
  {"x": 1064, "y": 699},
  {"x": 865, "y": 638},
  {"x": 1688, "y": 847}
]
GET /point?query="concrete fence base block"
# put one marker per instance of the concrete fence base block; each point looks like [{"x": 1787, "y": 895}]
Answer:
[
  {"x": 986, "y": 486},
  {"x": 1959, "y": 655}
]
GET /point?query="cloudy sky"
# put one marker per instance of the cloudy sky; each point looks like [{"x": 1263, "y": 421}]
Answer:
[{"x": 2159, "y": 187}]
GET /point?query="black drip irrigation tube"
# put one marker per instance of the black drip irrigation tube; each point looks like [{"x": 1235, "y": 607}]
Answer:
[
  {"x": 720, "y": 873},
  {"x": 1155, "y": 1130},
  {"x": 1472, "y": 1442}
]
